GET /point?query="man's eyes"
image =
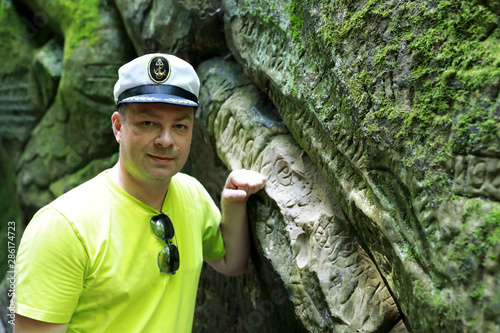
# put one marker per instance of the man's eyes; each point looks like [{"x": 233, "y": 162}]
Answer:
[{"x": 148, "y": 123}]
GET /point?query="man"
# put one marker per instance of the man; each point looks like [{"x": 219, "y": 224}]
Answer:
[{"x": 123, "y": 252}]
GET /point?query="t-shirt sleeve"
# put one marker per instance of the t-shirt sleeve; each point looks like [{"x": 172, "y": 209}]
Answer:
[
  {"x": 50, "y": 268},
  {"x": 213, "y": 243}
]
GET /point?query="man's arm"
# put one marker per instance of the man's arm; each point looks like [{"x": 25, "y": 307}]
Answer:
[
  {"x": 240, "y": 185},
  {"x": 28, "y": 325}
]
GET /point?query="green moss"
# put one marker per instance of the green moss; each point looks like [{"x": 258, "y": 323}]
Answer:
[
  {"x": 78, "y": 20},
  {"x": 85, "y": 21},
  {"x": 448, "y": 311},
  {"x": 15, "y": 47},
  {"x": 296, "y": 11},
  {"x": 470, "y": 207},
  {"x": 491, "y": 230},
  {"x": 478, "y": 292},
  {"x": 476, "y": 244},
  {"x": 453, "y": 81},
  {"x": 265, "y": 11}
]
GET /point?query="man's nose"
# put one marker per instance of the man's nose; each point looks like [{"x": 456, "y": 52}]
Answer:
[{"x": 165, "y": 139}]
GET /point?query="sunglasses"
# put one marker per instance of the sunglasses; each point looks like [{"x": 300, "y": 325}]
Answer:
[{"x": 168, "y": 258}]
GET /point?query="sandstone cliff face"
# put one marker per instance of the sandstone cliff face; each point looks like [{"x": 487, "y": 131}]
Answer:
[{"x": 376, "y": 123}]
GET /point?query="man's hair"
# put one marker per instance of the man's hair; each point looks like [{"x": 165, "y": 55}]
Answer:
[{"x": 122, "y": 110}]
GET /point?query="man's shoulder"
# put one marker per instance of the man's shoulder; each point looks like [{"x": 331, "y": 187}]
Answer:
[
  {"x": 85, "y": 194},
  {"x": 76, "y": 206}
]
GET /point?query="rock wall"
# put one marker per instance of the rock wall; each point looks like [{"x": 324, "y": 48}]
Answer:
[
  {"x": 299, "y": 228},
  {"x": 376, "y": 123},
  {"x": 387, "y": 100}
]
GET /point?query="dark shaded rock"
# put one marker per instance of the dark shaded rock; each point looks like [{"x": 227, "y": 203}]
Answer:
[
  {"x": 190, "y": 29},
  {"x": 22, "y": 98}
]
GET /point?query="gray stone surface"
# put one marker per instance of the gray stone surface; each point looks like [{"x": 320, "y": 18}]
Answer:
[
  {"x": 189, "y": 28},
  {"x": 257, "y": 301},
  {"x": 300, "y": 228}
]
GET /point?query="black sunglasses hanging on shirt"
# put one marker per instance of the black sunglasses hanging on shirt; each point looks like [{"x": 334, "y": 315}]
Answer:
[{"x": 168, "y": 258}]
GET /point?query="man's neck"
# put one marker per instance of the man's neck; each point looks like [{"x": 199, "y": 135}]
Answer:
[{"x": 151, "y": 194}]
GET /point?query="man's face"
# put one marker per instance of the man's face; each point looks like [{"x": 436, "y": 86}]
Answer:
[{"x": 155, "y": 139}]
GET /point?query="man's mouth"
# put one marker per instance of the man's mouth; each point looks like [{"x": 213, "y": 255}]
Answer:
[{"x": 160, "y": 159}]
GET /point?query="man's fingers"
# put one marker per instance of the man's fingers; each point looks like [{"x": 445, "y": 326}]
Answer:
[
  {"x": 234, "y": 195},
  {"x": 247, "y": 181}
]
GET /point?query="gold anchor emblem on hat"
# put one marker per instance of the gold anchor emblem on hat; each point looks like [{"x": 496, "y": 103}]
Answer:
[
  {"x": 159, "y": 69},
  {"x": 159, "y": 72}
]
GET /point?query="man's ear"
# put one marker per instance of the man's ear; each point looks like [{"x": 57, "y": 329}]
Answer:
[{"x": 116, "y": 123}]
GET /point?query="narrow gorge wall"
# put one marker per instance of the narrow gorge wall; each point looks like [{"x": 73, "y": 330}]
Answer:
[{"x": 376, "y": 123}]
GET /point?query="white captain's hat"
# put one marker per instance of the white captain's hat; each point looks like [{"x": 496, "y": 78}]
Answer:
[{"x": 157, "y": 78}]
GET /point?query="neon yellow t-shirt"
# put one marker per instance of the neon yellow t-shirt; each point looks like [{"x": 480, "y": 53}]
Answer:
[{"x": 90, "y": 258}]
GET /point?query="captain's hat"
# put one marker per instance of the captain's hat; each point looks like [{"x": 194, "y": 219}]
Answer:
[{"x": 157, "y": 78}]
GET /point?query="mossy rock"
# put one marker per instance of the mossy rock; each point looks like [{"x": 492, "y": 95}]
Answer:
[{"x": 398, "y": 105}]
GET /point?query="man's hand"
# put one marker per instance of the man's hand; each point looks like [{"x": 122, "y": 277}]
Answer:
[{"x": 241, "y": 184}]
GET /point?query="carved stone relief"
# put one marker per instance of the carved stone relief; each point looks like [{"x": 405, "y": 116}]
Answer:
[
  {"x": 477, "y": 176},
  {"x": 331, "y": 280}
]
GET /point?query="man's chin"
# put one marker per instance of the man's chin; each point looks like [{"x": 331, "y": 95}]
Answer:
[{"x": 161, "y": 176}]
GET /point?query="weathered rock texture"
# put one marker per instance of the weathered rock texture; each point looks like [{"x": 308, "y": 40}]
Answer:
[
  {"x": 376, "y": 123},
  {"x": 398, "y": 105},
  {"x": 191, "y": 29},
  {"x": 299, "y": 227}
]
